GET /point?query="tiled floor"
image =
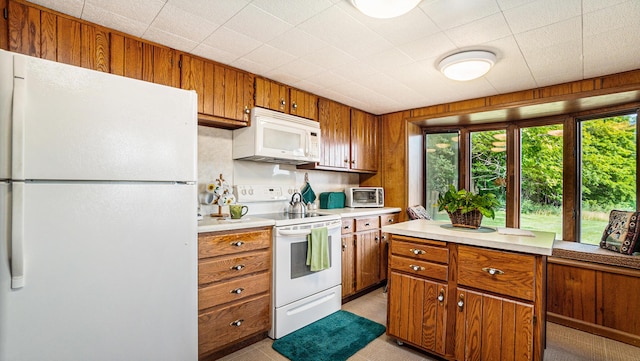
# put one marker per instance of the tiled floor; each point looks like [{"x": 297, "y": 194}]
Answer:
[{"x": 563, "y": 344}]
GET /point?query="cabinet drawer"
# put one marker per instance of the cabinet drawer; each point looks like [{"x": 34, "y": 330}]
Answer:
[
  {"x": 420, "y": 251},
  {"x": 232, "y": 266},
  {"x": 389, "y": 219},
  {"x": 224, "y": 326},
  {"x": 365, "y": 224},
  {"x": 347, "y": 225},
  {"x": 235, "y": 290},
  {"x": 215, "y": 244},
  {"x": 419, "y": 268},
  {"x": 510, "y": 274}
]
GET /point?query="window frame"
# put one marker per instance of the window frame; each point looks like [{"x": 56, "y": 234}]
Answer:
[{"x": 571, "y": 186}]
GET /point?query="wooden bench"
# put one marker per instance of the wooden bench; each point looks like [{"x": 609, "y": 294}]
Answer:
[{"x": 594, "y": 290}]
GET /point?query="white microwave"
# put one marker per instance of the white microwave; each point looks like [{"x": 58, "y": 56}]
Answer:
[
  {"x": 277, "y": 138},
  {"x": 361, "y": 197}
]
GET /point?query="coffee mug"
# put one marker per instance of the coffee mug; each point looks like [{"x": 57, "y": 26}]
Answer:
[{"x": 238, "y": 210}]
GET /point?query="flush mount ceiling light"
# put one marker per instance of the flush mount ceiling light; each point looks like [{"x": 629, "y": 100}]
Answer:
[
  {"x": 467, "y": 65},
  {"x": 384, "y": 9}
]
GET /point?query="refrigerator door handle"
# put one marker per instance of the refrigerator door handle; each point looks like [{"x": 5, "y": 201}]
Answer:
[
  {"x": 18, "y": 118},
  {"x": 17, "y": 236}
]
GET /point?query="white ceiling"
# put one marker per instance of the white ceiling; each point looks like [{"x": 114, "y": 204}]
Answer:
[{"x": 328, "y": 48}]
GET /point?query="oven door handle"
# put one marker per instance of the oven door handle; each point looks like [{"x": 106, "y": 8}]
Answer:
[{"x": 303, "y": 232}]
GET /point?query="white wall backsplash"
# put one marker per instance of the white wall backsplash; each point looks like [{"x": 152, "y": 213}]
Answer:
[{"x": 214, "y": 157}]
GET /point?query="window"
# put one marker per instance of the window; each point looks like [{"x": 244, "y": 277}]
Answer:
[
  {"x": 489, "y": 169},
  {"x": 541, "y": 178},
  {"x": 441, "y": 168},
  {"x": 607, "y": 171}
]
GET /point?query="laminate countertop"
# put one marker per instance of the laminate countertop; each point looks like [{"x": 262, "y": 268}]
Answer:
[
  {"x": 533, "y": 242},
  {"x": 214, "y": 224}
]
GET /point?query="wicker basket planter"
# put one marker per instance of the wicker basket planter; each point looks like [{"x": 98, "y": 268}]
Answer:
[{"x": 467, "y": 220}]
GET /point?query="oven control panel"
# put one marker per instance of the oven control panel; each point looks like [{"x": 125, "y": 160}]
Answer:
[{"x": 260, "y": 193}]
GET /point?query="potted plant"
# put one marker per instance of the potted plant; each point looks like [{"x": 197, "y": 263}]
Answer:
[{"x": 465, "y": 208}]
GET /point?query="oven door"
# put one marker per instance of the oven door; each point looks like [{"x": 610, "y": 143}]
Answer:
[{"x": 293, "y": 280}]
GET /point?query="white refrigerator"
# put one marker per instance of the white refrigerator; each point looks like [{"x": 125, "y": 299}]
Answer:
[{"x": 98, "y": 228}]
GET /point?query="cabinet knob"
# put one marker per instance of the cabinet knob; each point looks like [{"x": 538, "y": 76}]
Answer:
[
  {"x": 346, "y": 160},
  {"x": 237, "y": 291},
  {"x": 237, "y": 267},
  {"x": 282, "y": 103},
  {"x": 237, "y": 244},
  {"x": 441, "y": 296},
  {"x": 493, "y": 271},
  {"x": 344, "y": 245},
  {"x": 294, "y": 105},
  {"x": 390, "y": 220},
  {"x": 377, "y": 238},
  {"x": 236, "y": 323},
  {"x": 461, "y": 302},
  {"x": 247, "y": 110},
  {"x": 417, "y": 251},
  {"x": 416, "y": 268}
]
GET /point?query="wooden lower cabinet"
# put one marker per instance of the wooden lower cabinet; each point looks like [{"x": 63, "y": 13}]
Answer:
[
  {"x": 419, "y": 311},
  {"x": 364, "y": 258},
  {"x": 234, "y": 288},
  {"x": 466, "y": 303},
  {"x": 595, "y": 298},
  {"x": 490, "y": 327}
]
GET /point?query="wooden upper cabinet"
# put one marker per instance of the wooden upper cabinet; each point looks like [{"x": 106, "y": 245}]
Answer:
[
  {"x": 364, "y": 141},
  {"x": 272, "y": 95},
  {"x": 303, "y": 104},
  {"x": 335, "y": 134},
  {"x": 279, "y": 97},
  {"x": 225, "y": 95}
]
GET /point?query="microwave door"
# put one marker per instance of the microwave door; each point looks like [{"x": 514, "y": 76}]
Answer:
[{"x": 277, "y": 140}]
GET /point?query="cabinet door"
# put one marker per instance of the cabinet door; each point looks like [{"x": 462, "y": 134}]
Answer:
[
  {"x": 364, "y": 141},
  {"x": 192, "y": 77},
  {"x": 126, "y": 56},
  {"x": 272, "y": 95},
  {"x": 570, "y": 292},
  {"x": 617, "y": 300},
  {"x": 303, "y": 104},
  {"x": 24, "y": 29},
  {"x": 348, "y": 265},
  {"x": 385, "y": 220},
  {"x": 418, "y": 311},
  {"x": 367, "y": 259},
  {"x": 232, "y": 93},
  {"x": 492, "y": 328},
  {"x": 335, "y": 131}
]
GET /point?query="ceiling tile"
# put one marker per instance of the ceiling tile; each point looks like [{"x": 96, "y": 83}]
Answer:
[
  {"x": 210, "y": 52},
  {"x": 617, "y": 16},
  {"x": 70, "y": 7},
  {"x": 169, "y": 39},
  {"x": 537, "y": 14},
  {"x": 295, "y": 70},
  {"x": 293, "y": 12},
  {"x": 329, "y": 57},
  {"x": 480, "y": 31},
  {"x": 414, "y": 25},
  {"x": 115, "y": 21},
  {"x": 429, "y": 47},
  {"x": 336, "y": 28},
  {"x": 297, "y": 42},
  {"x": 183, "y": 24},
  {"x": 510, "y": 65},
  {"x": 270, "y": 57},
  {"x": 258, "y": 24},
  {"x": 510, "y": 4},
  {"x": 326, "y": 79},
  {"x": 598, "y": 49},
  {"x": 447, "y": 14},
  {"x": 388, "y": 59},
  {"x": 143, "y": 11},
  {"x": 231, "y": 41},
  {"x": 594, "y": 5},
  {"x": 217, "y": 11}
]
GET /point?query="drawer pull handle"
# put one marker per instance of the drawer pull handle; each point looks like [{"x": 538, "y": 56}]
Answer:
[
  {"x": 441, "y": 296},
  {"x": 493, "y": 271},
  {"x": 236, "y": 323},
  {"x": 237, "y": 244},
  {"x": 237, "y": 267},
  {"x": 367, "y": 224},
  {"x": 347, "y": 227},
  {"x": 417, "y": 251},
  {"x": 461, "y": 302},
  {"x": 237, "y": 291},
  {"x": 416, "y": 268}
]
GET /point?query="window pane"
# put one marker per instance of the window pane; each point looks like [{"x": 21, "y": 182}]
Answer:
[
  {"x": 489, "y": 169},
  {"x": 441, "y": 168},
  {"x": 541, "y": 179},
  {"x": 608, "y": 171}
]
